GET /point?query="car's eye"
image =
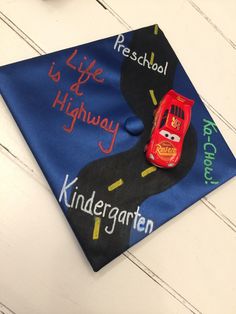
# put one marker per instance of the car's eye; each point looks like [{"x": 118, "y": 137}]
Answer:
[
  {"x": 165, "y": 133},
  {"x": 174, "y": 137}
]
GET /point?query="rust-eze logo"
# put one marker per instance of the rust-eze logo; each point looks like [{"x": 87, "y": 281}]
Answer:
[{"x": 166, "y": 150}]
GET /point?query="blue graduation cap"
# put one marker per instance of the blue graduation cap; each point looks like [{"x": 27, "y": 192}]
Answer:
[{"x": 86, "y": 112}]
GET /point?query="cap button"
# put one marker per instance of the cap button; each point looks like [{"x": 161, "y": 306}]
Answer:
[{"x": 134, "y": 125}]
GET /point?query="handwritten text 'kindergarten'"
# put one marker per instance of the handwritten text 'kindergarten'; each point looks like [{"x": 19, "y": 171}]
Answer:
[{"x": 100, "y": 208}]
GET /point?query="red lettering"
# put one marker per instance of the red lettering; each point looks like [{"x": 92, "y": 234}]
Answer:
[
  {"x": 96, "y": 73},
  {"x": 83, "y": 111},
  {"x": 57, "y": 100},
  {"x": 56, "y": 76},
  {"x": 71, "y": 57},
  {"x": 74, "y": 114},
  {"x": 93, "y": 121},
  {"x": 110, "y": 148},
  {"x": 80, "y": 113}
]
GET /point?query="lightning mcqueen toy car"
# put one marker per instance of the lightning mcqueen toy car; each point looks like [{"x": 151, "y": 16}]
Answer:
[{"x": 171, "y": 122}]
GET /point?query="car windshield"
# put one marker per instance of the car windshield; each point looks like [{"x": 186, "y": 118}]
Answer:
[
  {"x": 164, "y": 118},
  {"x": 177, "y": 111}
]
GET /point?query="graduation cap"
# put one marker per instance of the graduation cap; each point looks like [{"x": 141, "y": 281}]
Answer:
[{"x": 87, "y": 112}]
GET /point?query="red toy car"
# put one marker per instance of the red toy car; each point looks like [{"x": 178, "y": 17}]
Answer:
[{"x": 171, "y": 122}]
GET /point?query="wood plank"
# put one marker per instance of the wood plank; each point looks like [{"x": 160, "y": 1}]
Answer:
[
  {"x": 195, "y": 254},
  {"x": 13, "y": 47},
  {"x": 221, "y": 15},
  {"x": 67, "y": 23},
  {"x": 43, "y": 270},
  {"x": 223, "y": 201},
  {"x": 207, "y": 58}
]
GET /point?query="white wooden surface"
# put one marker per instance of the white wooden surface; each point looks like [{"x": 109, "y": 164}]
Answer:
[{"x": 187, "y": 265}]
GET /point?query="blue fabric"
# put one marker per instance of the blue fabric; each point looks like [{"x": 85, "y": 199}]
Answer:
[{"x": 88, "y": 130}]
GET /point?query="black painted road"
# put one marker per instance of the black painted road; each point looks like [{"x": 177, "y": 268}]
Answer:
[{"x": 136, "y": 81}]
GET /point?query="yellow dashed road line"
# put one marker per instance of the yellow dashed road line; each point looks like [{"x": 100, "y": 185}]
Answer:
[
  {"x": 147, "y": 171},
  {"x": 154, "y": 100},
  {"x": 96, "y": 228},
  {"x": 156, "y": 29},
  {"x": 152, "y": 58},
  {"x": 115, "y": 185}
]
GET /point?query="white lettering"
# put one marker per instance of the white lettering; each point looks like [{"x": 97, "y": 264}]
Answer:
[
  {"x": 139, "y": 58},
  {"x": 64, "y": 189},
  {"x": 133, "y": 55},
  {"x": 112, "y": 216},
  {"x": 97, "y": 208},
  {"x": 126, "y": 52},
  {"x": 141, "y": 224},
  {"x": 99, "y": 204},
  {"x": 120, "y": 39}
]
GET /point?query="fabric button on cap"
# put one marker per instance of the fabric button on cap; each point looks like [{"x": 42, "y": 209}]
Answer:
[{"x": 134, "y": 125}]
